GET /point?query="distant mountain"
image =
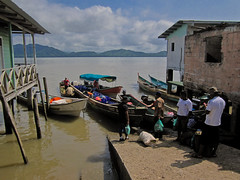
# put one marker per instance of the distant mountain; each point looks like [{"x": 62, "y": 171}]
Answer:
[{"x": 45, "y": 51}]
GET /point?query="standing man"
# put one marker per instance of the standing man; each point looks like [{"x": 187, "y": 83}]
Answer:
[
  {"x": 210, "y": 132},
  {"x": 184, "y": 111},
  {"x": 158, "y": 106},
  {"x": 123, "y": 117}
]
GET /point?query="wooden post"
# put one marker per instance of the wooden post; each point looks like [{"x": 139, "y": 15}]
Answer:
[
  {"x": 24, "y": 48},
  {"x": 29, "y": 99},
  {"x": 36, "y": 116},
  {"x": 10, "y": 116},
  {"x": 46, "y": 92},
  {"x": 7, "y": 121},
  {"x": 34, "y": 49},
  {"x": 43, "y": 104},
  {"x": 12, "y": 105}
]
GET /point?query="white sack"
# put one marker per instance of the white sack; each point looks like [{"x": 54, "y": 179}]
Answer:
[{"x": 146, "y": 138}]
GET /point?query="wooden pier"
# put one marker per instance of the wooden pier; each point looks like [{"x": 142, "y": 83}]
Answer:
[{"x": 14, "y": 82}]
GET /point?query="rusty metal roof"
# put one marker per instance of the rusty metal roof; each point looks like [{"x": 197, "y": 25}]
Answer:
[
  {"x": 20, "y": 20},
  {"x": 197, "y": 24}
]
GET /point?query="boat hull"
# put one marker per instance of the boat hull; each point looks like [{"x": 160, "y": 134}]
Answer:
[
  {"x": 149, "y": 87},
  {"x": 69, "y": 109},
  {"x": 159, "y": 83},
  {"x": 110, "y": 91},
  {"x": 73, "y": 107}
]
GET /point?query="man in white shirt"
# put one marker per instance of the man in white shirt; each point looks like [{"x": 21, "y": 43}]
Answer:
[
  {"x": 184, "y": 111},
  {"x": 210, "y": 132}
]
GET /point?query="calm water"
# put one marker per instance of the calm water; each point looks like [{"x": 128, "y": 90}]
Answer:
[{"x": 71, "y": 147}]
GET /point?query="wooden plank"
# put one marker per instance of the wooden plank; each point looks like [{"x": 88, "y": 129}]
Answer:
[{"x": 10, "y": 95}]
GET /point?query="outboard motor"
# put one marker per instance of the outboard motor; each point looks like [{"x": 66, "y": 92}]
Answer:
[{"x": 145, "y": 99}]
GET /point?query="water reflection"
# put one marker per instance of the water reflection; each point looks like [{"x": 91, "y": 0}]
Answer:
[{"x": 104, "y": 121}]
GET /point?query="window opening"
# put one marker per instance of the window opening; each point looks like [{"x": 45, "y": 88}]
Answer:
[
  {"x": 172, "y": 46},
  {"x": 213, "y": 49}
]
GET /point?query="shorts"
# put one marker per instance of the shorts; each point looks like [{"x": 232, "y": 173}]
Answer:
[{"x": 210, "y": 135}]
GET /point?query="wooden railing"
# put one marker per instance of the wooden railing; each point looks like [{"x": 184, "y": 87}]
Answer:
[{"x": 15, "y": 81}]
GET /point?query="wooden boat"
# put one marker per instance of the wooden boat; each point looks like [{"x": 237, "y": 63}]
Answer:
[
  {"x": 151, "y": 88},
  {"x": 109, "y": 106},
  {"x": 109, "y": 91},
  {"x": 159, "y": 83},
  {"x": 148, "y": 86}
]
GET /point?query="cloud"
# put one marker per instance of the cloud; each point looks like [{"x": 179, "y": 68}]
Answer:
[{"x": 97, "y": 28}]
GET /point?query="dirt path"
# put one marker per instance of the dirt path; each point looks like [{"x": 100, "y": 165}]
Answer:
[{"x": 169, "y": 160}]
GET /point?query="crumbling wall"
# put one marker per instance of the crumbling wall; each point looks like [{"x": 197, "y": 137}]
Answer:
[{"x": 200, "y": 74}]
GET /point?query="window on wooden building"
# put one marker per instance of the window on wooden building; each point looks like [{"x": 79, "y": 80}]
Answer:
[
  {"x": 213, "y": 49},
  {"x": 172, "y": 46}
]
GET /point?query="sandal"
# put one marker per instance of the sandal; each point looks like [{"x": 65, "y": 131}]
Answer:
[{"x": 195, "y": 155}]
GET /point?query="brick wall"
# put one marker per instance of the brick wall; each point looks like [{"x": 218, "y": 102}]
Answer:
[{"x": 200, "y": 75}]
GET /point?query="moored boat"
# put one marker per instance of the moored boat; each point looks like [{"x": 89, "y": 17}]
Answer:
[
  {"x": 151, "y": 88},
  {"x": 67, "y": 106},
  {"x": 106, "y": 90},
  {"x": 109, "y": 106},
  {"x": 158, "y": 82},
  {"x": 62, "y": 105}
]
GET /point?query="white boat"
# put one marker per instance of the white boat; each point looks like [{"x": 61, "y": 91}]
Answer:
[
  {"x": 61, "y": 105},
  {"x": 67, "y": 106}
]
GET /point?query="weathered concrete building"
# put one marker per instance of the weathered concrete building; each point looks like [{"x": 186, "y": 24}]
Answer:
[
  {"x": 212, "y": 59},
  {"x": 175, "y": 36}
]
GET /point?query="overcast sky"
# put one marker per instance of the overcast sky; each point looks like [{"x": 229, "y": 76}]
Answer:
[{"x": 101, "y": 25}]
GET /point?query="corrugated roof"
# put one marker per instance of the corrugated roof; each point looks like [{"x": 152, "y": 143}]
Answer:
[
  {"x": 20, "y": 20},
  {"x": 195, "y": 23}
]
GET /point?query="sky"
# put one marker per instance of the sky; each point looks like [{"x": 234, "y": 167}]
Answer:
[{"x": 102, "y": 25}]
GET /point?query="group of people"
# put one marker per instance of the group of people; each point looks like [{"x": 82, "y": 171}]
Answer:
[
  {"x": 69, "y": 91},
  {"x": 209, "y": 139}
]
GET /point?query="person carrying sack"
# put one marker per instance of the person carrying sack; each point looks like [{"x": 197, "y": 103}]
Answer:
[{"x": 158, "y": 106}]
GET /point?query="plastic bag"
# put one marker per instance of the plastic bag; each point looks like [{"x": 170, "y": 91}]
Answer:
[
  {"x": 127, "y": 129},
  {"x": 175, "y": 124},
  {"x": 158, "y": 126}
]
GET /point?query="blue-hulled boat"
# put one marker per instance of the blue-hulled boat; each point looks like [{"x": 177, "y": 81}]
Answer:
[{"x": 158, "y": 83}]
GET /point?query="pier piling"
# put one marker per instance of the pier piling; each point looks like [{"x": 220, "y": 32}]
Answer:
[
  {"x": 43, "y": 104},
  {"x": 9, "y": 116},
  {"x": 36, "y": 117}
]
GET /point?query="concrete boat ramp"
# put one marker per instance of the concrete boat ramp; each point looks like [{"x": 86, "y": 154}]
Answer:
[{"x": 167, "y": 159}]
